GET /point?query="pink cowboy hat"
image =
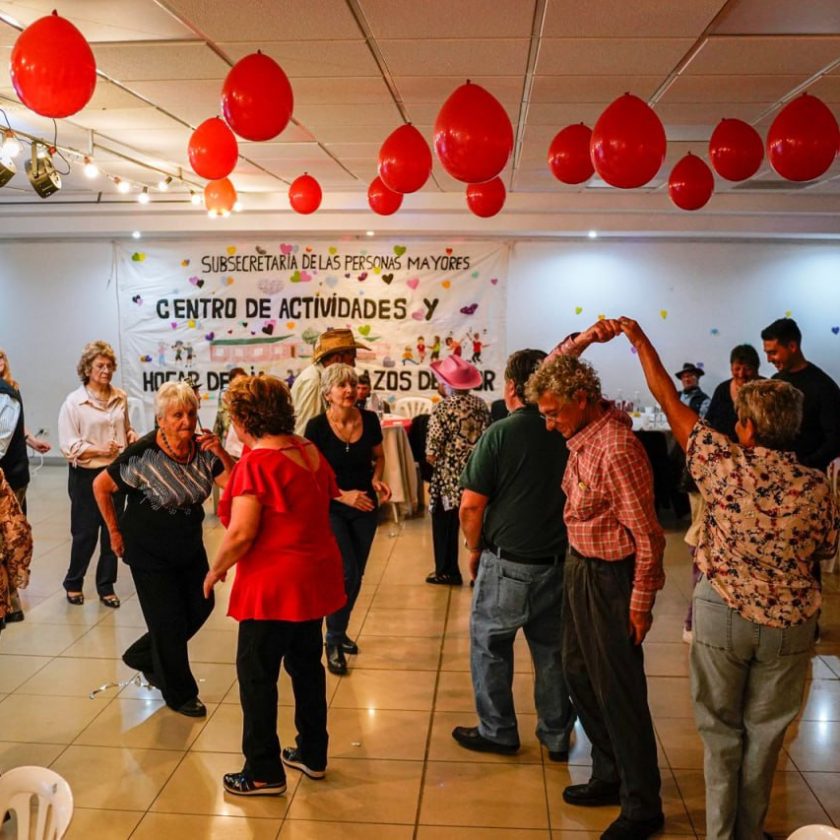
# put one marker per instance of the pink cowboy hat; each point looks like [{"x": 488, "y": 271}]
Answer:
[{"x": 456, "y": 373}]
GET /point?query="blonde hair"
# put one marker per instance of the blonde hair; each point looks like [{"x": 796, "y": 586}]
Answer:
[
  {"x": 775, "y": 408},
  {"x": 7, "y": 371},
  {"x": 565, "y": 377},
  {"x": 338, "y": 374},
  {"x": 180, "y": 393},
  {"x": 91, "y": 351}
]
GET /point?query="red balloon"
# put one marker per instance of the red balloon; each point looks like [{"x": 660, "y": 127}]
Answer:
[
  {"x": 473, "y": 135},
  {"x": 305, "y": 194},
  {"x": 487, "y": 199},
  {"x": 802, "y": 142},
  {"x": 213, "y": 150},
  {"x": 382, "y": 200},
  {"x": 735, "y": 150},
  {"x": 257, "y": 99},
  {"x": 628, "y": 143},
  {"x": 405, "y": 160},
  {"x": 220, "y": 196},
  {"x": 52, "y": 67},
  {"x": 568, "y": 154},
  {"x": 691, "y": 183}
]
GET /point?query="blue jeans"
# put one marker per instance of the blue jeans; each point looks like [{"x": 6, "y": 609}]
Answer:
[
  {"x": 509, "y": 596},
  {"x": 747, "y": 682},
  {"x": 354, "y": 531}
]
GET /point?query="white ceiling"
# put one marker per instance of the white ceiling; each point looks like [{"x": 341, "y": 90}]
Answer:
[{"x": 360, "y": 68}]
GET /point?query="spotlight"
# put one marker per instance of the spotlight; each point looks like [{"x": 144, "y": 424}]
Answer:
[
  {"x": 143, "y": 198},
  {"x": 91, "y": 169},
  {"x": 41, "y": 172},
  {"x": 11, "y": 145},
  {"x": 163, "y": 185},
  {"x": 7, "y": 169}
]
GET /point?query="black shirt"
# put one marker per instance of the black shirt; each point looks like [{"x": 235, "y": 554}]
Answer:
[
  {"x": 353, "y": 462},
  {"x": 161, "y": 525},
  {"x": 818, "y": 441},
  {"x": 721, "y": 415}
]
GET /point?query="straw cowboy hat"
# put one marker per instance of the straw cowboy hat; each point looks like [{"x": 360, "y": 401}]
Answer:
[
  {"x": 456, "y": 373},
  {"x": 690, "y": 368},
  {"x": 335, "y": 341}
]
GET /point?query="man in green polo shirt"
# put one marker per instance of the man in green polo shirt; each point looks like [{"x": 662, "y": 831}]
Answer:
[{"x": 512, "y": 516}]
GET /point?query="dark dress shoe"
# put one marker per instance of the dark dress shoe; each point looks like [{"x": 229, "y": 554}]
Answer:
[
  {"x": 626, "y": 829},
  {"x": 192, "y": 708},
  {"x": 336, "y": 663},
  {"x": 594, "y": 792},
  {"x": 444, "y": 580},
  {"x": 349, "y": 646},
  {"x": 14, "y": 615},
  {"x": 470, "y": 738},
  {"x": 558, "y": 755}
]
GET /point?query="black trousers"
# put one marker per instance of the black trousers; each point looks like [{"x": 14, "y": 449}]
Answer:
[
  {"x": 606, "y": 679},
  {"x": 175, "y": 608},
  {"x": 262, "y": 647},
  {"x": 87, "y": 527},
  {"x": 445, "y": 529}
]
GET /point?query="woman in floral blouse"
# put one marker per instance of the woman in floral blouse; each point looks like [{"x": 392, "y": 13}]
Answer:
[
  {"x": 755, "y": 608},
  {"x": 15, "y": 547},
  {"x": 455, "y": 426}
]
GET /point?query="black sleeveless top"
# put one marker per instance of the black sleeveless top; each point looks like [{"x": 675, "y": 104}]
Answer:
[{"x": 15, "y": 463}]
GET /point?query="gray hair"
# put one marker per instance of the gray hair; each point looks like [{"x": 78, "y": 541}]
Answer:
[
  {"x": 91, "y": 350},
  {"x": 775, "y": 407},
  {"x": 337, "y": 374},
  {"x": 564, "y": 377},
  {"x": 174, "y": 392}
]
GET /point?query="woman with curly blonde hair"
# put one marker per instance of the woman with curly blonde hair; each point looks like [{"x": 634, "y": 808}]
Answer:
[{"x": 93, "y": 428}]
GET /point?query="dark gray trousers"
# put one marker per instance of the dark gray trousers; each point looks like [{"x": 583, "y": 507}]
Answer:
[{"x": 606, "y": 680}]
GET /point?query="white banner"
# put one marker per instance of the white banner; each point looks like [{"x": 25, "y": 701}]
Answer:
[{"x": 196, "y": 310}]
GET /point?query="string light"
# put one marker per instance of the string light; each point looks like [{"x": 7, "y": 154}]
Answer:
[
  {"x": 91, "y": 169},
  {"x": 163, "y": 184},
  {"x": 143, "y": 198},
  {"x": 195, "y": 198},
  {"x": 11, "y": 145},
  {"x": 122, "y": 186}
]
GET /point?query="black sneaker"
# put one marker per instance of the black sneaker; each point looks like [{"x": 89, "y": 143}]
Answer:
[
  {"x": 470, "y": 738},
  {"x": 626, "y": 829},
  {"x": 291, "y": 757},
  {"x": 242, "y": 785}
]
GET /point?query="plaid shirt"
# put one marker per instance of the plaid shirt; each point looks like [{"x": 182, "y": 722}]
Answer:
[{"x": 609, "y": 502}]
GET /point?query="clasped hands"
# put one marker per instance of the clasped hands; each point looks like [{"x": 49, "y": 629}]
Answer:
[{"x": 608, "y": 328}]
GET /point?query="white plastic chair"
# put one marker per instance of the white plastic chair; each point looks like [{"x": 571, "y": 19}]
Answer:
[
  {"x": 412, "y": 406},
  {"x": 834, "y": 480},
  {"x": 815, "y": 832},
  {"x": 54, "y": 801}
]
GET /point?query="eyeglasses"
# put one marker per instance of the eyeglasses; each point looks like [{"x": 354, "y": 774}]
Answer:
[{"x": 103, "y": 367}]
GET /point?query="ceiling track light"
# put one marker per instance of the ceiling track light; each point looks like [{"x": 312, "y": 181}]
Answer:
[
  {"x": 41, "y": 171},
  {"x": 7, "y": 169}
]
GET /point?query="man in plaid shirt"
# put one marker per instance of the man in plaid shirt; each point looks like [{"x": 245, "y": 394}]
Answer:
[{"x": 613, "y": 571}]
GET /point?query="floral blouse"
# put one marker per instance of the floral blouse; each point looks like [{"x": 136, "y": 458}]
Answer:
[
  {"x": 767, "y": 520},
  {"x": 455, "y": 426},
  {"x": 15, "y": 546}
]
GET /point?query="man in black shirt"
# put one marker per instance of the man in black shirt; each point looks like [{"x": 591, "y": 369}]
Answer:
[{"x": 818, "y": 442}]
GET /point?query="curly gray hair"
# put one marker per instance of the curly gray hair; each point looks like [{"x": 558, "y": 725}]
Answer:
[
  {"x": 775, "y": 407},
  {"x": 91, "y": 351},
  {"x": 565, "y": 376}
]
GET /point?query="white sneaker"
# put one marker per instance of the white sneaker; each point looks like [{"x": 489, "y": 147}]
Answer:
[{"x": 687, "y": 636}]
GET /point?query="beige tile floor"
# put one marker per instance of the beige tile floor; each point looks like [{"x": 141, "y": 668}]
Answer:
[{"x": 139, "y": 770}]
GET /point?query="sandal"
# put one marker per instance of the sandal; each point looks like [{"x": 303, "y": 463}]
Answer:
[
  {"x": 111, "y": 601},
  {"x": 75, "y": 598},
  {"x": 243, "y": 785}
]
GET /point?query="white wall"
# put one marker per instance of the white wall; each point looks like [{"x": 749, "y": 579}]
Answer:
[
  {"x": 56, "y": 296},
  {"x": 735, "y": 289}
]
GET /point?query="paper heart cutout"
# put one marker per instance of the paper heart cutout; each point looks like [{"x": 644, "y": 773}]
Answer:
[
  {"x": 362, "y": 276},
  {"x": 469, "y": 310},
  {"x": 387, "y": 279},
  {"x": 210, "y": 336},
  {"x": 268, "y": 329},
  {"x": 191, "y": 324},
  {"x": 364, "y": 330},
  {"x": 290, "y": 325},
  {"x": 243, "y": 323},
  {"x": 230, "y": 332},
  {"x": 475, "y": 274},
  {"x": 578, "y": 310},
  {"x": 418, "y": 314},
  {"x": 137, "y": 299},
  {"x": 399, "y": 250},
  {"x": 332, "y": 282},
  {"x": 663, "y": 314},
  {"x": 494, "y": 280},
  {"x": 388, "y": 362},
  {"x": 413, "y": 282},
  {"x": 633, "y": 350},
  {"x": 448, "y": 252},
  {"x": 446, "y": 284},
  {"x": 196, "y": 281},
  {"x": 347, "y": 275},
  {"x": 184, "y": 263},
  {"x": 788, "y": 313},
  {"x": 231, "y": 249},
  {"x": 308, "y": 249},
  {"x": 305, "y": 277},
  {"x": 228, "y": 281},
  {"x": 602, "y": 317},
  {"x": 296, "y": 248},
  {"x": 173, "y": 324},
  {"x": 259, "y": 250},
  {"x": 377, "y": 269},
  {"x": 295, "y": 278},
  {"x": 835, "y": 330},
  {"x": 253, "y": 332},
  {"x": 138, "y": 256},
  {"x": 285, "y": 249},
  {"x": 714, "y": 331},
  {"x": 145, "y": 358},
  {"x": 332, "y": 249}
]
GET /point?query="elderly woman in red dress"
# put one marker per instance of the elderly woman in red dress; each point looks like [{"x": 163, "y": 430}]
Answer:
[{"x": 289, "y": 576}]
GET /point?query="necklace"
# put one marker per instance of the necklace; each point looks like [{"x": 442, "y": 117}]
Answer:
[
  {"x": 102, "y": 401},
  {"x": 337, "y": 428},
  {"x": 167, "y": 446}
]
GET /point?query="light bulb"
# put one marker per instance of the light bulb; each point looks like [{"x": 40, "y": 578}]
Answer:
[
  {"x": 195, "y": 198},
  {"x": 237, "y": 206},
  {"x": 11, "y": 145},
  {"x": 135, "y": 234},
  {"x": 41, "y": 151},
  {"x": 163, "y": 184},
  {"x": 91, "y": 169},
  {"x": 122, "y": 186},
  {"x": 143, "y": 198},
  {"x": 593, "y": 234}
]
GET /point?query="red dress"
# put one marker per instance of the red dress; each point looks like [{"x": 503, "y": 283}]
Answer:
[{"x": 293, "y": 570}]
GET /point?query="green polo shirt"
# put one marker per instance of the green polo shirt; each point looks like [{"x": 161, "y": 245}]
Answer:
[{"x": 518, "y": 464}]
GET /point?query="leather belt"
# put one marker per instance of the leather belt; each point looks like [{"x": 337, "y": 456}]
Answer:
[{"x": 550, "y": 560}]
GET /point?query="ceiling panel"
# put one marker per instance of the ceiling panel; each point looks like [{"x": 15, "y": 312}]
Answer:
[
  {"x": 302, "y": 59},
  {"x": 321, "y": 116},
  {"x": 152, "y": 62},
  {"x": 561, "y": 89},
  {"x": 780, "y": 17},
  {"x": 619, "y": 18},
  {"x": 462, "y": 58},
  {"x": 447, "y": 19},
  {"x": 701, "y": 89},
  {"x": 436, "y": 89},
  {"x": 709, "y": 113},
  {"x": 106, "y": 120},
  {"x": 756, "y": 56},
  {"x": 610, "y": 56},
  {"x": 332, "y": 91}
]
